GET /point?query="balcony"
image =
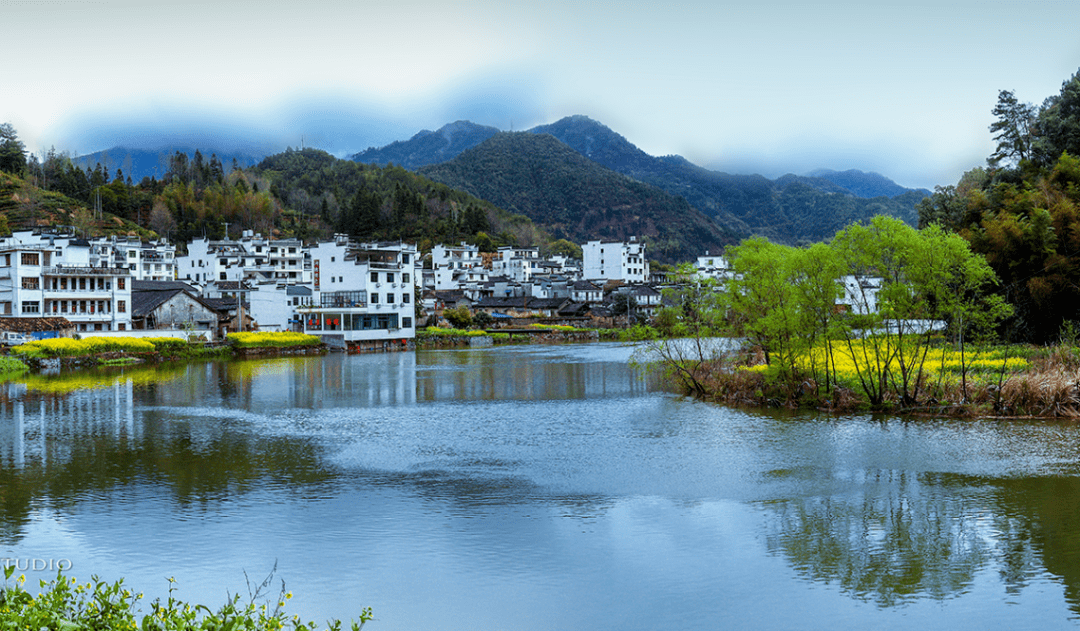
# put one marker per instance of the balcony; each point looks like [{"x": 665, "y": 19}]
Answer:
[{"x": 68, "y": 270}]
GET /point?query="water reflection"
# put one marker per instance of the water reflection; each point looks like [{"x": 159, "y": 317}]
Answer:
[
  {"x": 520, "y": 479},
  {"x": 57, "y": 450}
]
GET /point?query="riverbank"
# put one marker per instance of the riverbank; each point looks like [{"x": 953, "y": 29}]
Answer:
[
  {"x": 69, "y": 353},
  {"x": 874, "y": 375}
]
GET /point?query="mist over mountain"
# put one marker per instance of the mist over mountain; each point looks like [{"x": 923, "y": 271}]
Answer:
[
  {"x": 428, "y": 147},
  {"x": 140, "y": 163}
]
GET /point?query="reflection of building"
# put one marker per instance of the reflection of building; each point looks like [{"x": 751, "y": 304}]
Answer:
[{"x": 362, "y": 292}]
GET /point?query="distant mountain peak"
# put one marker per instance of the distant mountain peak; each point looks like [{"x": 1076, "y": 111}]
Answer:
[{"x": 429, "y": 147}]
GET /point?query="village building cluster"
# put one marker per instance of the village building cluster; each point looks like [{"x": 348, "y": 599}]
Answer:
[{"x": 352, "y": 294}]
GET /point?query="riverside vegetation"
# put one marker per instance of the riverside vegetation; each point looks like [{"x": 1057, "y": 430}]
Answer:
[
  {"x": 921, "y": 342},
  {"x": 65, "y": 604},
  {"x": 119, "y": 350}
]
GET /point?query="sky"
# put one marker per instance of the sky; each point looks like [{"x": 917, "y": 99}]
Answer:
[{"x": 904, "y": 89}]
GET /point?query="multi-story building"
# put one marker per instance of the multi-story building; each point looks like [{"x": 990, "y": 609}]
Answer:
[
  {"x": 615, "y": 260},
  {"x": 52, "y": 275},
  {"x": 517, "y": 264},
  {"x": 252, "y": 258},
  {"x": 362, "y": 293},
  {"x": 152, "y": 260},
  {"x": 456, "y": 265}
]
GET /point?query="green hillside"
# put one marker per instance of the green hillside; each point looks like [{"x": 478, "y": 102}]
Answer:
[{"x": 577, "y": 199}]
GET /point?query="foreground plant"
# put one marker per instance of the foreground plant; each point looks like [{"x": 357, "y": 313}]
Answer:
[{"x": 65, "y": 604}]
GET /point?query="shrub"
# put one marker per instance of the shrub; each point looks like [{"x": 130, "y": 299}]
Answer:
[
  {"x": 64, "y": 603},
  {"x": 271, "y": 339}
]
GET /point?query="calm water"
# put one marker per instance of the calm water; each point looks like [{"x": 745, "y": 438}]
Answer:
[{"x": 536, "y": 488}]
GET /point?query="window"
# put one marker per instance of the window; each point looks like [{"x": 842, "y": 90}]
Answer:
[
  {"x": 389, "y": 277},
  {"x": 31, "y": 282},
  {"x": 119, "y": 283},
  {"x": 221, "y": 276},
  {"x": 82, "y": 284},
  {"x": 31, "y": 306},
  {"x": 121, "y": 306},
  {"x": 121, "y": 327},
  {"x": 374, "y": 298},
  {"x": 6, "y": 308},
  {"x": 7, "y": 260},
  {"x": 405, "y": 298},
  {"x": 405, "y": 258},
  {"x": 341, "y": 279},
  {"x": 406, "y": 323},
  {"x": 30, "y": 258},
  {"x": 331, "y": 259},
  {"x": 374, "y": 277},
  {"x": 405, "y": 278}
]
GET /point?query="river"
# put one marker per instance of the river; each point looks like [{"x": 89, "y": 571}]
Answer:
[{"x": 534, "y": 487}]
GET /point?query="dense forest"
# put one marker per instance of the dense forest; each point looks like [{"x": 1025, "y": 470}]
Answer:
[{"x": 1022, "y": 211}]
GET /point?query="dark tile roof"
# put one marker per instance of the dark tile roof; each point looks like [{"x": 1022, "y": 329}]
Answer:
[
  {"x": 160, "y": 285},
  {"x": 30, "y": 325}
]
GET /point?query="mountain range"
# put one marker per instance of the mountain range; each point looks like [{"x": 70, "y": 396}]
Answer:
[{"x": 790, "y": 209}]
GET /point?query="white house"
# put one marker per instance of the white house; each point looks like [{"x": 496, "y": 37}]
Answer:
[
  {"x": 615, "y": 260},
  {"x": 515, "y": 263},
  {"x": 454, "y": 265},
  {"x": 152, "y": 260},
  {"x": 362, "y": 293},
  {"x": 860, "y": 294},
  {"x": 52, "y": 275}
]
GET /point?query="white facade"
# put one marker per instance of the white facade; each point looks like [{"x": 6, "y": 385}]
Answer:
[
  {"x": 615, "y": 260},
  {"x": 52, "y": 276},
  {"x": 153, "y": 260},
  {"x": 712, "y": 266},
  {"x": 454, "y": 265},
  {"x": 252, "y": 258},
  {"x": 517, "y": 264},
  {"x": 860, "y": 294},
  {"x": 362, "y": 292}
]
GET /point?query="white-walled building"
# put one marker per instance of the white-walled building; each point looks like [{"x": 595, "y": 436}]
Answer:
[
  {"x": 615, "y": 260},
  {"x": 860, "y": 294},
  {"x": 515, "y": 263},
  {"x": 362, "y": 293},
  {"x": 456, "y": 265},
  {"x": 152, "y": 260},
  {"x": 713, "y": 266},
  {"x": 52, "y": 275},
  {"x": 252, "y": 258}
]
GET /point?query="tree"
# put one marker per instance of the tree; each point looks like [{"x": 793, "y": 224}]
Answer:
[
  {"x": 12, "y": 152},
  {"x": 458, "y": 317},
  {"x": 1013, "y": 129},
  {"x": 1057, "y": 128}
]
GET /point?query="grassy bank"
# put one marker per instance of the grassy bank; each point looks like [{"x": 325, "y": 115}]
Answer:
[
  {"x": 875, "y": 375},
  {"x": 94, "y": 351}
]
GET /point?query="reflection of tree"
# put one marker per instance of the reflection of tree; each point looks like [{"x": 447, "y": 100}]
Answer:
[
  {"x": 897, "y": 539},
  {"x": 1040, "y": 518}
]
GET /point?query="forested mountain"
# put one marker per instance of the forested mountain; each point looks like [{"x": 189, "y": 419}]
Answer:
[
  {"x": 791, "y": 209},
  {"x": 788, "y": 210},
  {"x": 862, "y": 184},
  {"x": 372, "y": 202},
  {"x": 429, "y": 147},
  {"x": 576, "y": 198}
]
